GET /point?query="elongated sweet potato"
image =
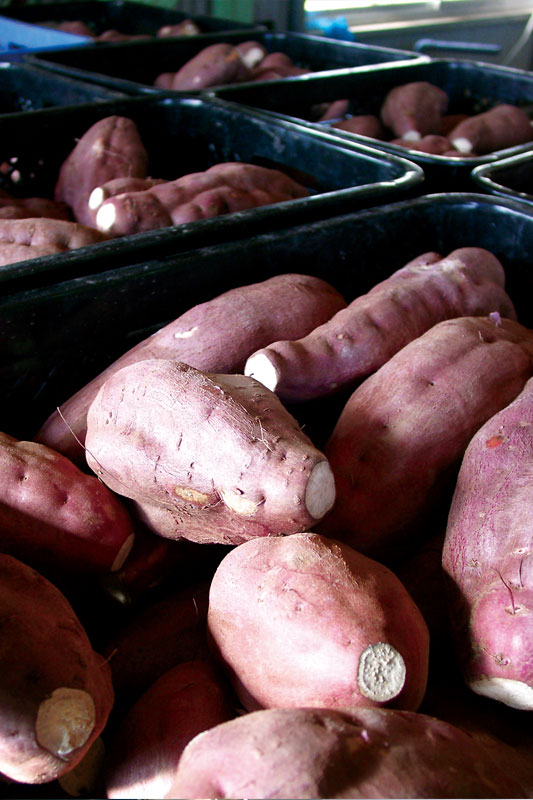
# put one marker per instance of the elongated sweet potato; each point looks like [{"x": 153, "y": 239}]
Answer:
[
  {"x": 327, "y": 626},
  {"x": 242, "y": 185},
  {"x": 12, "y": 207},
  {"x": 51, "y": 513},
  {"x": 210, "y": 458},
  {"x": 145, "y": 749},
  {"x": 503, "y": 126},
  {"x": 404, "y": 430},
  {"x": 432, "y": 143},
  {"x": 322, "y": 753},
  {"x": 362, "y": 124},
  {"x": 487, "y": 557},
  {"x": 30, "y": 237},
  {"x": 362, "y": 337},
  {"x": 414, "y": 109},
  {"x": 55, "y": 690},
  {"x": 215, "y": 65},
  {"x": 119, "y": 186},
  {"x": 111, "y": 148},
  {"x": 215, "y": 336},
  {"x": 187, "y": 27}
]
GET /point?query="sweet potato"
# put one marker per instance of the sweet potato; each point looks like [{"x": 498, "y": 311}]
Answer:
[
  {"x": 487, "y": 557},
  {"x": 51, "y": 513},
  {"x": 414, "y": 109},
  {"x": 56, "y": 692},
  {"x": 324, "y": 753},
  {"x": 187, "y": 27},
  {"x": 119, "y": 186},
  {"x": 502, "y": 126},
  {"x": 432, "y": 143},
  {"x": 77, "y": 27},
  {"x": 12, "y": 207},
  {"x": 163, "y": 634},
  {"x": 111, "y": 148},
  {"x": 362, "y": 337},
  {"x": 210, "y": 458},
  {"x": 327, "y": 626},
  {"x": 187, "y": 198},
  {"x": 22, "y": 239},
  {"x": 215, "y": 336},
  {"x": 215, "y": 65},
  {"x": 401, "y": 435},
  {"x": 362, "y": 124},
  {"x": 334, "y": 110},
  {"x": 251, "y": 52},
  {"x": 145, "y": 749}
]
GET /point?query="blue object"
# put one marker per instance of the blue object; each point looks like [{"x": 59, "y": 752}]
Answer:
[
  {"x": 18, "y": 38},
  {"x": 336, "y": 28}
]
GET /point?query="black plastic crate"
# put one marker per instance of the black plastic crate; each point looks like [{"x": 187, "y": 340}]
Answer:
[
  {"x": 52, "y": 341},
  {"x": 189, "y": 134},
  {"x": 121, "y": 15},
  {"x": 472, "y": 87},
  {"x": 134, "y": 66},
  {"x": 508, "y": 177},
  {"x": 26, "y": 87}
]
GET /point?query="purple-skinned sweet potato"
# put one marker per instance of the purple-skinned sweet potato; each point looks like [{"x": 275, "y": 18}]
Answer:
[
  {"x": 363, "y": 125},
  {"x": 414, "y": 109},
  {"x": 216, "y": 459},
  {"x": 360, "y": 338},
  {"x": 215, "y": 65},
  {"x": 52, "y": 514},
  {"x": 487, "y": 557},
  {"x": 216, "y": 336},
  {"x": 400, "y": 438},
  {"x": 327, "y": 626},
  {"x": 144, "y": 751},
  {"x": 243, "y": 185},
  {"x": 111, "y": 148},
  {"x": 55, "y": 690},
  {"x": 323, "y": 753},
  {"x": 34, "y": 237}
]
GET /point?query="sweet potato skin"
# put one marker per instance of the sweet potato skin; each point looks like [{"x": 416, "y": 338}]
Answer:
[
  {"x": 151, "y": 433},
  {"x": 52, "y": 514},
  {"x": 110, "y": 148},
  {"x": 144, "y": 752},
  {"x": 502, "y": 126},
  {"x": 317, "y": 617},
  {"x": 215, "y": 336},
  {"x": 217, "y": 64},
  {"x": 29, "y": 237},
  {"x": 487, "y": 557},
  {"x": 407, "y": 426},
  {"x": 368, "y": 753},
  {"x": 372, "y": 328},
  {"x": 45, "y": 655},
  {"x": 414, "y": 109}
]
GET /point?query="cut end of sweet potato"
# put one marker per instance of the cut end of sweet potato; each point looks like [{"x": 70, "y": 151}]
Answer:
[
  {"x": 411, "y": 136},
  {"x": 105, "y": 217},
  {"x": 513, "y": 693},
  {"x": 382, "y": 672},
  {"x": 96, "y": 198},
  {"x": 260, "y": 367},
  {"x": 462, "y": 145},
  {"x": 65, "y": 721},
  {"x": 320, "y": 490}
]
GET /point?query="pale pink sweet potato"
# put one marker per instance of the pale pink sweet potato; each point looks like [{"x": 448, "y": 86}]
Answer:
[
  {"x": 403, "y": 432},
  {"x": 216, "y": 336},
  {"x": 362, "y": 337},
  {"x": 503, "y": 126},
  {"x": 215, "y": 65},
  {"x": 119, "y": 186},
  {"x": 162, "y": 205},
  {"x": 487, "y": 557},
  {"x": 414, "y": 109},
  {"x": 323, "y": 753},
  {"x": 251, "y": 52},
  {"x": 210, "y": 458},
  {"x": 327, "y": 627},
  {"x": 111, "y": 148},
  {"x": 145, "y": 749},
  {"x": 32, "y": 237},
  {"x": 55, "y": 690},
  {"x": 51, "y": 513},
  {"x": 362, "y": 124}
]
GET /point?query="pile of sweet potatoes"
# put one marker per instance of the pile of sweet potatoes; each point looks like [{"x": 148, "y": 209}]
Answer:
[
  {"x": 416, "y": 116},
  {"x": 275, "y": 612},
  {"x": 103, "y": 190}
]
